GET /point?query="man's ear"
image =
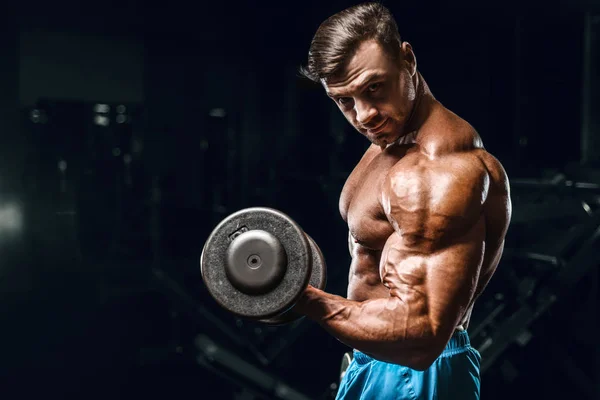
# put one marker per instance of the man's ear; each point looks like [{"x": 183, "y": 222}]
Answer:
[{"x": 408, "y": 56}]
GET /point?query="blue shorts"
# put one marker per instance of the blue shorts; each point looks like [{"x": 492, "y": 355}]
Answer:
[{"x": 454, "y": 375}]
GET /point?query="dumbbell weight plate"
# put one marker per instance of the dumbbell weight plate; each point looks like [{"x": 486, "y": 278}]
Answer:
[
  {"x": 318, "y": 279},
  {"x": 256, "y": 263}
]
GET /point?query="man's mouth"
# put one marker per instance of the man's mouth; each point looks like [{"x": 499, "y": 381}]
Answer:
[{"x": 378, "y": 129}]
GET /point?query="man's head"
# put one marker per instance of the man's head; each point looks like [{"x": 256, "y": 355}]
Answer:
[{"x": 358, "y": 57}]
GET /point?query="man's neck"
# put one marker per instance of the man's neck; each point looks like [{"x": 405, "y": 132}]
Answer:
[{"x": 424, "y": 102}]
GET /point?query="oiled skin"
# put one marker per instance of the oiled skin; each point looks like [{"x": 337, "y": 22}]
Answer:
[{"x": 427, "y": 218}]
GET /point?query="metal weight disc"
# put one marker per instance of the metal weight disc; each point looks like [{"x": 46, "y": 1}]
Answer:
[
  {"x": 318, "y": 276},
  {"x": 318, "y": 279},
  {"x": 256, "y": 263}
]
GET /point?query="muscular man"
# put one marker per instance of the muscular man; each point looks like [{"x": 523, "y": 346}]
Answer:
[{"x": 427, "y": 210}]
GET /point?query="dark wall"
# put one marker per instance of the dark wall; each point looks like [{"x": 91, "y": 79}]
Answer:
[
  {"x": 221, "y": 121},
  {"x": 89, "y": 67}
]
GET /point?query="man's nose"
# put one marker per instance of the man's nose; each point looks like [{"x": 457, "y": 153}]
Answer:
[{"x": 364, "y": 112}]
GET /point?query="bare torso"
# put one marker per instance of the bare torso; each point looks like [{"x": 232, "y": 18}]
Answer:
[{"x": 369, "y": 228}]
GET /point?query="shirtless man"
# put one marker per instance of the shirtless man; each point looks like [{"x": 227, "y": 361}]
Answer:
[{"x": 427, "y": 210}]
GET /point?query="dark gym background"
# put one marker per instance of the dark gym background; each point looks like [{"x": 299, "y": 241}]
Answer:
[{"x": 128, "y": 130}]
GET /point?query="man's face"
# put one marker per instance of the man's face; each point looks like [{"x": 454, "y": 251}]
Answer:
[{"x": 375, "y": 93}]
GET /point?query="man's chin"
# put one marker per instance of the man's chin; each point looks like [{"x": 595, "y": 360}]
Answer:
[
  {"x": 385, "y": 141},
  {"x": 380, "y": 142}
]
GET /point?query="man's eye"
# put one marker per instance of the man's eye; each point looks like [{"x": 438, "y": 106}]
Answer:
[
  {"x": 374, "y": 87},
  {"x": 344, "y": 101}
]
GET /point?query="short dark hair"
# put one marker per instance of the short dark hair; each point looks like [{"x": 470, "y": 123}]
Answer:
[{"x": 340, "y": 35}]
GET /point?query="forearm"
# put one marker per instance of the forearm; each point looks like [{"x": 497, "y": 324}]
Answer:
[{"x": 388, "y": 329}]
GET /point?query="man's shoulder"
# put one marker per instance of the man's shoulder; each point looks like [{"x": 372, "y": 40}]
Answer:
[
  {"x": 448, "y": 134},
  {"x": 450, "y": 140},
  {"x": 469, "y": 173},
  {"x": 443, "y": 196}
]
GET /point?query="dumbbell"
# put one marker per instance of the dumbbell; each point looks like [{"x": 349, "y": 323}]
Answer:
[{"x": 257, "y": 262}]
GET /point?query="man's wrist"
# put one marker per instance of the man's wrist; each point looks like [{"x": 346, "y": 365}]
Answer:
[{"x": 303, "y": 304}]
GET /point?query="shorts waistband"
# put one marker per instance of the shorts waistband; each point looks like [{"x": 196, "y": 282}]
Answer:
[{"x": 458, "y": 343}]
